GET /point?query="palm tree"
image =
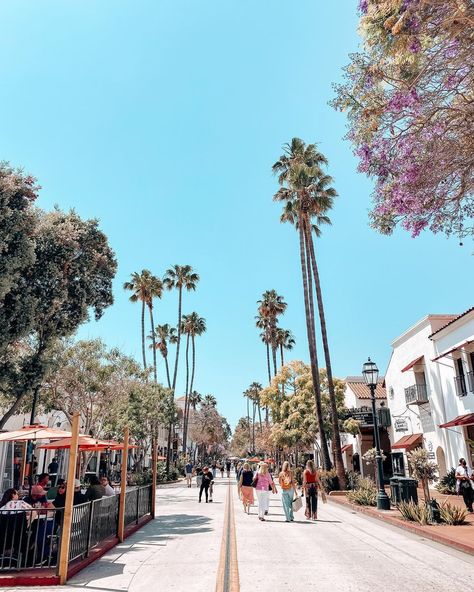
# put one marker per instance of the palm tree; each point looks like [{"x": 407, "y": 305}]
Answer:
[
  {"x": 194, "y": 399},
  {"x": 179, "y": 277},
  {"x": 209, "y": 400},
  {"x": 164, "y": 334},
  {"x": 262, "y": 323},
  {"x": 299, "y": 168},
  {"x": 271, "y": 306},
  {"x": 192, "y": 326},
  {"x": 145, "y": 286},
  {"x": 255, "y": 389},
  {"x": 284, "y": 340}
]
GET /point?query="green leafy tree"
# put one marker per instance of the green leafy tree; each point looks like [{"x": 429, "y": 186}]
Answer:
[{"x": 71, "y": 276}]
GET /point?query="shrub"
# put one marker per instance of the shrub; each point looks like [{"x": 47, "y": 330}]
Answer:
[
  {"x": 415, "y": 512},
  {"x": 447, "y": 484},
  {"x": 452, "y": 514},
  {"x": 329, "y": 480},
  {"x": 422, "y": 468},
  {"x": 365, "y": 494}
]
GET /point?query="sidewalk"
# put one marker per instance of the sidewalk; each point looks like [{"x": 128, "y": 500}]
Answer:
[{"x": 458, "y": 537}]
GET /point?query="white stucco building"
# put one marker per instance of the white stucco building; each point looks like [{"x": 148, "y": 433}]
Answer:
[
  {"x": 430, "y": 390},
  {"x": 357, "y": 399}
]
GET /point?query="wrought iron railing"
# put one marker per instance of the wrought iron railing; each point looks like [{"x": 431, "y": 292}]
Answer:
[
  {"x": 104, "y": 520},
  {"x": 460, "y": 382},
  {"x": 29, "y": 539},
  {"x": 80, "y": 529},
  {"x": 416, "y": 393}
]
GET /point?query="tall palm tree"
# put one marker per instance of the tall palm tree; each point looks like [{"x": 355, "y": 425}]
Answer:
[
  {"x": 271, "y": 306},
  {"x": 179, "y": 277},
  {"x": 145, "y": 287},
  {"x": 192, "y": 325},
  {"x": 194, "y": 399},
  {"x": 263, "y": 323},
  {"x": 247, "y": 396},
  {"x": 284, "y": 340},
  {"x": 308, "y": 196},
  {"x": 209, "y": 400},
  {"x": 164, "y": 334},
  {"x": 255, "y": 389}
]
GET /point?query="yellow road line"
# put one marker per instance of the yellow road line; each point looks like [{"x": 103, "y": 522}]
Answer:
[{"x": 228, "y": 572}]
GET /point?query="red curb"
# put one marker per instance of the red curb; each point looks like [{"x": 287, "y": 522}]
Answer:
[{"x": 413, "y": 528}]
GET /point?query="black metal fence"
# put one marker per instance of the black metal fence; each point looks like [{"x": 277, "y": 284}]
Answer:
[{"x": 30, "y": 539}]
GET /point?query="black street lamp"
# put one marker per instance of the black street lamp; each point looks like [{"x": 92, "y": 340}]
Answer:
[{"x": 371, "y": 375}]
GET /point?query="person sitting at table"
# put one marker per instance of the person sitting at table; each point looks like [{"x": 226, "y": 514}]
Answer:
[
  {"x": 37, "y": 498},
  {"x": 109, "y": 490},
  {"x": 43, "y": 480},
  {"x": 10, "y": 502},
  {"x": 95, "y": 490},
  {"x": 79, "y": 497}
]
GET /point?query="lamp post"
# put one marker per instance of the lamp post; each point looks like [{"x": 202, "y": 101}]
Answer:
[{"x": 371, "y": 375}]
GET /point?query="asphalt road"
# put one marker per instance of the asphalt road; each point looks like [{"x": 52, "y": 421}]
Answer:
[{"x": 181, "y": 551}]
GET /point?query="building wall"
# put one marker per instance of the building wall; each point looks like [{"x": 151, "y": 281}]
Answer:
[{"x": 445, "y": 445}]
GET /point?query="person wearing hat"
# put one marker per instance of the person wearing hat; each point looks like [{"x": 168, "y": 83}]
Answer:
[{"x": 37, "y": 498}]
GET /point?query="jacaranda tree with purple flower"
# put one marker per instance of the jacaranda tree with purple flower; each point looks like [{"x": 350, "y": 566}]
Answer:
[{"x": 410, "y": 101}]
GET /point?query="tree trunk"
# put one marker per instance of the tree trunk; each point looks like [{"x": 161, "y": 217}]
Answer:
[
  {"x": 186, "y": 394},
  {"x": 193, "y": 367},
  {"x": 153, "y": 340},
  {"x": 248, "y": 420},
  {"x": 336, "y": 437},
  {"x": 307, "y": 292},
  {"x": 143, "y": 334},
  {"x": 260, "y": 418},
  {"x": 282, "y": 364},
  {"x": 253, "y": 427},
  {"x": 13, "y": 409},
  {"x": 274, "y": 358},
  {"x": 178, "y": 342},
  {"x": 168, "y": 450},
  {"x": 167, "y": 371}
]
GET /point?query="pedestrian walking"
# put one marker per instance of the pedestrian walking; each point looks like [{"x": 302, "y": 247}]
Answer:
[
  {"x": 465, "y": 483},
  {"x": 263, "y": 484},
  {"x": 245, "y": 487},
  {"x": 311, "y": 482},
  {"x": 188, "y": 471},
  {"x": 221, "y": 468},
  {"x": 206, "y": 482},
  {"x": 214, "y": 469},
  {"x": 288, "y": 490},
  {"x": 227, "y": 466},
  {"x": 198, "y": 477}
]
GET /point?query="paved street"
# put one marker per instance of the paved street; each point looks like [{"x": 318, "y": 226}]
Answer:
[{"x": 181, "y": 550}]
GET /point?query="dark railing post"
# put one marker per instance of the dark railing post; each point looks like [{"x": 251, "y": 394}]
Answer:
[
  {"x": 138, "y": 503},
  {"x": 89, "y": 527}
]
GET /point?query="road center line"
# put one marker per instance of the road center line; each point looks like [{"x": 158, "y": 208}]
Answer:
[{"x": 228, "y": 572}]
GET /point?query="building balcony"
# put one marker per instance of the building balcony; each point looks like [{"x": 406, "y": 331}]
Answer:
[
  {"x": 460, "y": 382},
  {"x": 416, "y": 394}
]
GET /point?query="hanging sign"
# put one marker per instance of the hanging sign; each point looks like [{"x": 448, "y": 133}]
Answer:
[{"x": 401, "y": 425}]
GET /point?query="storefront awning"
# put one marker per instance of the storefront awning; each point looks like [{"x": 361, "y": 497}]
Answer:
[
  {"x": 460, "y": 420},
  {"x": 450, "y": 351},
  {"x": 411, "y": 364},
  {"x": 346, "y": 448},
  {"x": 408, "y": 441}
]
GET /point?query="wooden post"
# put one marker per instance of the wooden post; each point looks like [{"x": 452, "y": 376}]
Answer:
[
  {"x": 68, "y": 505},
  {"x": 154, "y": 471},
  {"x": 123, "y": 487}
]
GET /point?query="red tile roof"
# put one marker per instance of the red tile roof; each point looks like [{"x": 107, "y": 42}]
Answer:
[
  {"x": 456, "y": 318},
  {"x": 360, "y": 389}
]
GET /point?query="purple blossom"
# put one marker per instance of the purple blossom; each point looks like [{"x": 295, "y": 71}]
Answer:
[
  {"x": 363, "y": 6},
  {"x": 415, "y": 45}
]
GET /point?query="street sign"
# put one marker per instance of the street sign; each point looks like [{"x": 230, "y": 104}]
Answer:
[{"x": 362, "y": 414}]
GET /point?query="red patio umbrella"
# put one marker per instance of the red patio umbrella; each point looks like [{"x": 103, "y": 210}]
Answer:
[
  {"x": 86, "y": 443},
  {"x": 34, "y": 432}
]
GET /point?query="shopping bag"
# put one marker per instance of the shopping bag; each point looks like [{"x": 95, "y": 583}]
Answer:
[{"x": 297, "y": 504}]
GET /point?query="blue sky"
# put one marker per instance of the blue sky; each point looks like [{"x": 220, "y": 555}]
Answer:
[{"x": 163, "y": 119}]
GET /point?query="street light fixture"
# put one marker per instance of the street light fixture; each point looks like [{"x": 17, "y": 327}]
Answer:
[{"x": 371, "y": 375}]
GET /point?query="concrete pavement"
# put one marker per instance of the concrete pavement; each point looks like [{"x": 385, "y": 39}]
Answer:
[{"x": 181, "y": 552}]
